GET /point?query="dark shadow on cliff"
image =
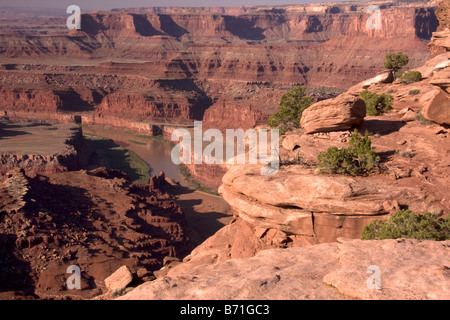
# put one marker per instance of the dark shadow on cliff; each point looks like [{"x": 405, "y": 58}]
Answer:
[
  {"x": 243, "y": 28},
  {"x": 72, "y": 101},
  {"x": 425, "y": 23},
  {"x": 144, "y": 27},
  {"x": 200, "y": 102},
  {"x": 381, "y": 127},
  {"x": 68, "y": 206},
  {"x": 170, "y": 27}
]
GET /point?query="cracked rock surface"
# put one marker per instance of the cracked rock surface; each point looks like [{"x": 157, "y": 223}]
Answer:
[{"x": 409, "y": 269}]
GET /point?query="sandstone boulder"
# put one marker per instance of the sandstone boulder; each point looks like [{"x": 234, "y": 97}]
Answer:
[
  {"x": 408, "y": 269},
  {"x": 436, "y": 106},
  {"x": 384, "y": 77},
  {"x": 119, "y": 280},
  {"x": 410, "y": 115},
  {"x": 440, "y": 42},
  {"x": 338, "y": 114}
]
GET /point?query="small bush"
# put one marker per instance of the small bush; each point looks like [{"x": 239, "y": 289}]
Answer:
[
  {"x": 357, "y": 159},
  {"x": 422, "y": 119},
  {"x": 408, "y": 224},
  {"x": 413, "y": 92},
  {"x": 407, "y": 154},
  {"x": 410, "y": 77},
  {"x": 376, "y": 104}
]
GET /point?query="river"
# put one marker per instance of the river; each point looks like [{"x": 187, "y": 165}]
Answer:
[
  {"x": 156, "y": 153},
  {"x": 205, "y": 213}
]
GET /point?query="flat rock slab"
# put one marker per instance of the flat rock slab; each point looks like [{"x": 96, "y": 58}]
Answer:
[{"x": 409, "y": 269}]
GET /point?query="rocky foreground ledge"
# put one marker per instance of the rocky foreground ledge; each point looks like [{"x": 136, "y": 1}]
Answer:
[{"x": 409, "y": 269}]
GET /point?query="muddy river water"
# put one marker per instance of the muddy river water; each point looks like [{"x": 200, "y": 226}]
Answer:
[{"x": 156, "y": 153}]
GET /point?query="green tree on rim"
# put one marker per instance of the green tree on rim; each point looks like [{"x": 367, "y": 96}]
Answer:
[{"x": 290, "y": 111}]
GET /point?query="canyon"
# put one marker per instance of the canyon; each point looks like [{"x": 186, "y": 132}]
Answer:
[
  {"x": 55, "y": 213},
  {"x": 293, "y": 235},
  {"x": 144, "y": 69},
  {"x": 224, "y": 66}
]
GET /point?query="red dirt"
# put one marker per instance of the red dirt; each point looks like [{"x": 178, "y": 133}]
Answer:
[{"x": 96, "y": 220}]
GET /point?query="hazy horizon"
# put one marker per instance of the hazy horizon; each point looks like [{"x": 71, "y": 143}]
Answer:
[{"x": 108, "y": 5}]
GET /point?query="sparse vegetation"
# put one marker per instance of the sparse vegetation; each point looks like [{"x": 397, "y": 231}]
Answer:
[
  {"x": 422, "y": 119},
  {"x": 113, "y": 156},
  {"x": 407, "y": 154},
  {"x": 395, "y": 61},
  {"x": 408, "y": 224},
  {"x": 410, "y": 77},
  {"x": 194, "y": 184},
  {"x": 359, "y": 158},
  {"x": 413, "y": 92},
  {"x": 137, "y": 142},
  {"x": 290, "y": 111},
  {"x": 375, "y": 103}
]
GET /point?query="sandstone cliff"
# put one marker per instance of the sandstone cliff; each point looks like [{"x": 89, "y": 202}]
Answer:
[
  {"x": 440, "y": 41},
  {"x": 180, "y": 64}
]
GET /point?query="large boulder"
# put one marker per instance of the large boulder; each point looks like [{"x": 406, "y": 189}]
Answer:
[
  {"x": 436, "y": 106},
  {"x": 340, "y": 113},
  {"x": 119, "y": 280}
]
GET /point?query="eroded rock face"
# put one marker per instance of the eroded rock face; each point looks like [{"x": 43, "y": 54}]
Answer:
[
  {"x": 338, "y": 114},
  {"x": 409, "y": 269},
  {"x": 298, "y": 202},
  {"x": 440, "y": 41}
]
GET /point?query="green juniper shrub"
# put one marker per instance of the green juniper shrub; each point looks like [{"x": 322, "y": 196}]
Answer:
[
  {"x": 408, "y": 224},
  {"x": 358, "y": 158},
  {"x": 291, "y": 107},
  {"x": 376, "y": 104},
  {"x": 410, "y": 77},
  {"x": 395, "y": 61}
]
